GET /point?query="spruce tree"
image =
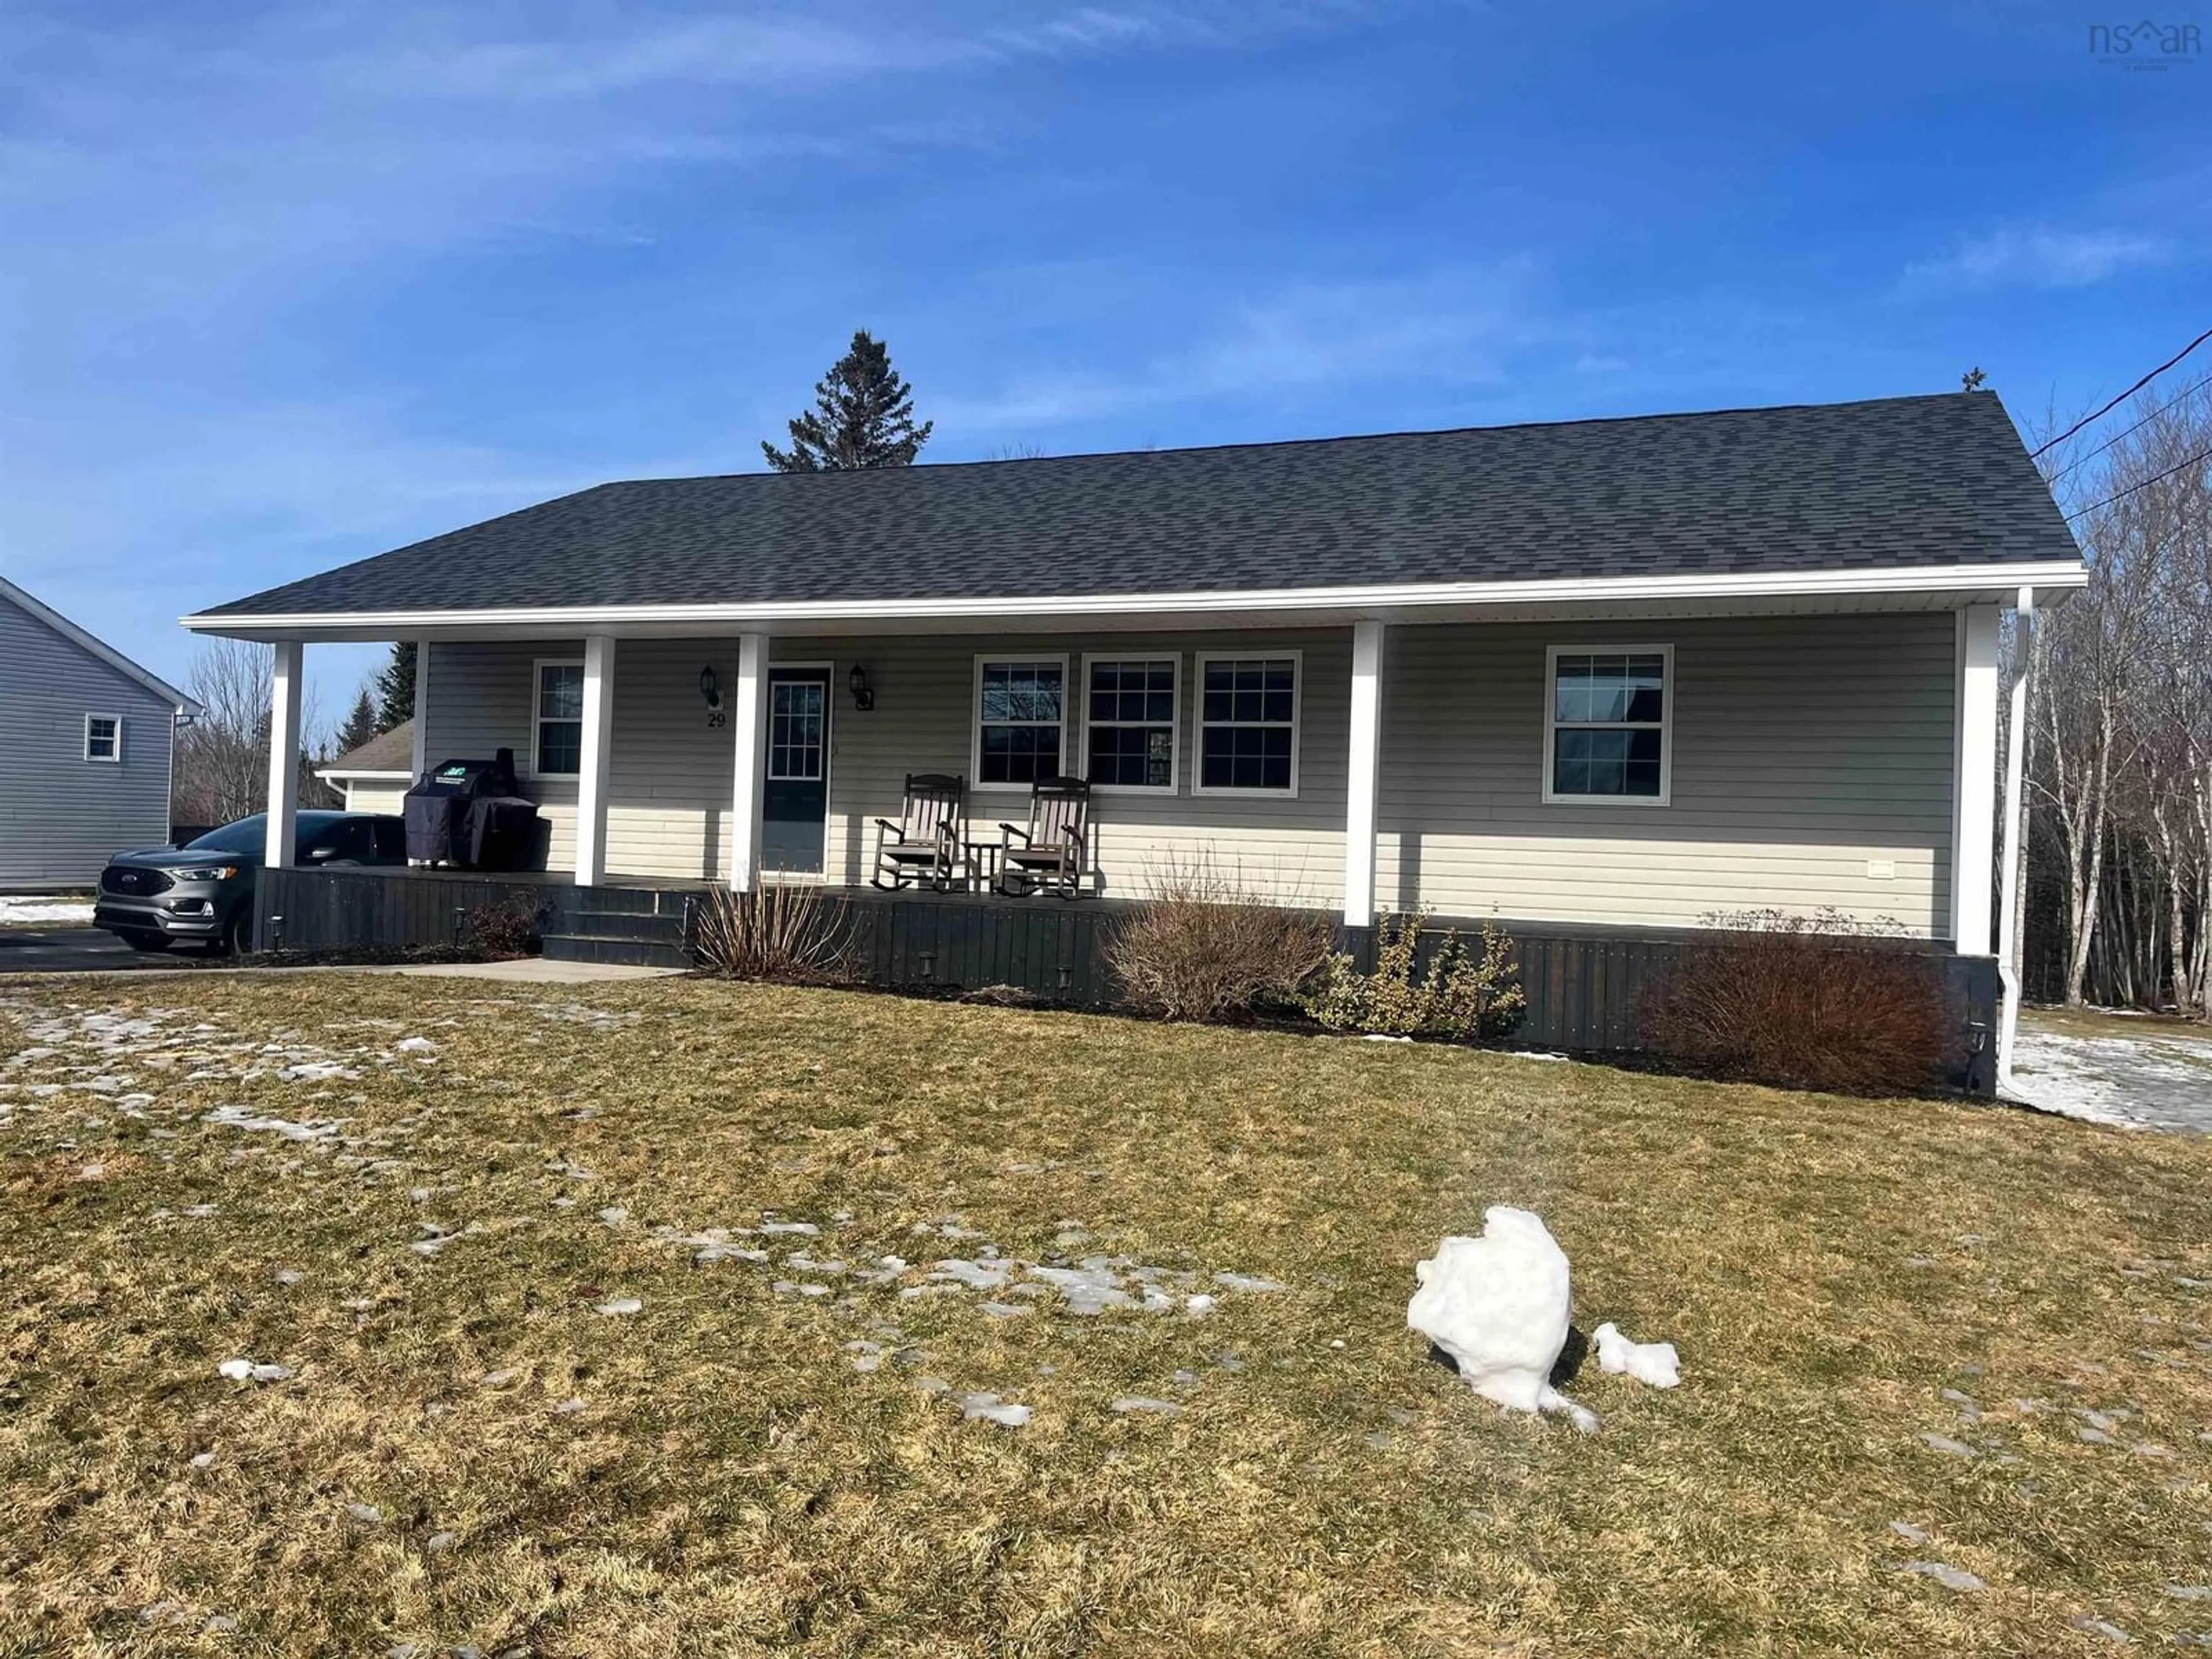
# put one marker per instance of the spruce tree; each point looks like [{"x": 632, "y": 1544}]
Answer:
[
  {"x": 863, "y": 417},
  {"x": 395, "y": 687},
  {"x": 359, "y": 725}
]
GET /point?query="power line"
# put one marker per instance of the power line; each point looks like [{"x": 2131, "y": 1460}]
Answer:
[
  {"x": 2120, "y": 495},
  {"x": 2125, "y": 396},
  {"x": 2194, "y": 386}
]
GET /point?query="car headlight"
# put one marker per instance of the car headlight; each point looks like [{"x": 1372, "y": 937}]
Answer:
[{"x": 202, "y": 873}]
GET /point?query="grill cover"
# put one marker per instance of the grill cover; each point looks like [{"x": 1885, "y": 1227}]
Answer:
[{"x": 472, "y": 813}]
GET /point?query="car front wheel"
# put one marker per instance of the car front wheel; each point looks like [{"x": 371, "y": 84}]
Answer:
[{"x": 237, "y": 933}]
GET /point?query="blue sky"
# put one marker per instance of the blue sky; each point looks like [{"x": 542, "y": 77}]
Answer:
[{"x": 284, "y": 286}]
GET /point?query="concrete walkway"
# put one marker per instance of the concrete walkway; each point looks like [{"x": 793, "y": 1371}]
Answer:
[{"x": 2137, "y": 1072}]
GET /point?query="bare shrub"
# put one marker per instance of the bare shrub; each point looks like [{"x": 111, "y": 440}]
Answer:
[
  {"x": 1804, "y": 1002},
  {"x": 507, "y": 928},
  {"x": 1455, "y": 997},
  {"x": 1201, "y": 947},
  {"x": 779, "y": 930}
]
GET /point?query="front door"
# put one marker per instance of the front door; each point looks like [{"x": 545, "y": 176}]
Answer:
[{"x": 795, "y": 795}]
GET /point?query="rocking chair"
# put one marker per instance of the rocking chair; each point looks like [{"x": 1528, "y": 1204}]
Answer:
[
  {"x": 924, "y": 845},
  {"x": 1047, "y": 857}
]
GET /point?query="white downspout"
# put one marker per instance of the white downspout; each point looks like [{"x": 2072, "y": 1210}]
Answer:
[{"x": 2015, "y": 825}]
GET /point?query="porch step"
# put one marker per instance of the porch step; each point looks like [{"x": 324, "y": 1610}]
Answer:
[
  {"x": 616, "y": 923},
  {"x": 626, "y": 952}
]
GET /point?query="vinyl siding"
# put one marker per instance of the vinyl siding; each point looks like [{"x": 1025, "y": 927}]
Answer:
[
  {"x": 61, "y": 814},
  {"x": 1805, "y": 750},
  {"x": 368, "y": 796}
]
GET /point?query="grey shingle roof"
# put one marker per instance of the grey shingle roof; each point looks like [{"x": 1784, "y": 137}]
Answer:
[{"x": 1894, "y": 482}]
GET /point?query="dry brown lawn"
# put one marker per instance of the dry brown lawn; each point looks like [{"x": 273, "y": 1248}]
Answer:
[{"x": 468, "y": 1452}]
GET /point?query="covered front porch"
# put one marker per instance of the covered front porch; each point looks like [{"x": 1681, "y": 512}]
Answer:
[{"x": 1794, "y": 757}]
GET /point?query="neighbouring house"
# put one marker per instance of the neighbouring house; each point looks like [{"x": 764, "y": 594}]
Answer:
[
  {"x": 373, "y": 778},
  {"x": 1609, "y": 677},
  {"x": 87, "y": 737}
]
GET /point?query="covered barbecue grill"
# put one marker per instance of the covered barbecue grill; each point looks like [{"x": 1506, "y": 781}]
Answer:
[{"x": 472, "y": 813}]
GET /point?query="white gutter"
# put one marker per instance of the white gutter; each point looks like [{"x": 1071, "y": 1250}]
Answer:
[
  {"x": 1923, "y": 579},
  {"x": 2015, "y": 819}
]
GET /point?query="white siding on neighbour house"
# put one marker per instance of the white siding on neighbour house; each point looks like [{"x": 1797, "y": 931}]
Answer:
[
  {"x": 375, "y": 795},
  {"x": 1812, "y": 766},
  {"x": 61, "y": 814}
]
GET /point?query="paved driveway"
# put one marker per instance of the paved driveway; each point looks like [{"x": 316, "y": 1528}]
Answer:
[
  {"x": 56, "y": 950},
  {"x": 2141, "y": 1072}
]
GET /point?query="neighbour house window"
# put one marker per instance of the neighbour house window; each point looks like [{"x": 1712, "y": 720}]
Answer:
[
  {"x": 1247, "y": 725},
  {"x": 1606, "y": 727},
  {"x": 103, "y": 737},
  {"x": 1129, "y": 730},
  {"x": 1019, "y": 721},
  {"x": 560, "y": 715}
]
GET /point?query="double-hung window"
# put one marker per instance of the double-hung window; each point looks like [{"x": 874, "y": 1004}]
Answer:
[
  {"x": 1129, "y": 723},
  {"x": 1248, "y": 724},
  {"x": 1607, "y": 725},
  {"x": 1020, "y": 721},
  {"x": 103, "y": 736},
  {"x": 558, "y": 706}
]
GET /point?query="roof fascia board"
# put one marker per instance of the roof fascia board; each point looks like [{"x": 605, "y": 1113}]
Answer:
[{"x": 1365, "y": 600}]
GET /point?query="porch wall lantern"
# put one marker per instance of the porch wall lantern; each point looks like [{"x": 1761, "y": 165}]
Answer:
[
  {"x": 710, "y": 688},
  {"x": 864, "y": 696}
]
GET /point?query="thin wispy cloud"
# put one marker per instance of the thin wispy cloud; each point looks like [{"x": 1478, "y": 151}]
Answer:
[{"x": 2040, "y": 258}]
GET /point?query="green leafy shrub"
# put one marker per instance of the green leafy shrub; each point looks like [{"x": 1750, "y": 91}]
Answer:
[
  {"x": 1200, "y": 947},
  {"x": 1455, "y": 996},
  {"x": 1804, "y": 1002}
]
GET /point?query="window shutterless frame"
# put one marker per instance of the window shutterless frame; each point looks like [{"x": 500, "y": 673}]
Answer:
[
  {"x": 1199, "y": 724},
  {"x": 539, "y": 719},
  {"x": 1664, "y": 725},
  {"x": 103, "y": 738},
  {"x": 988, "y": 660},
  {"x": 1172, "y": 661}
]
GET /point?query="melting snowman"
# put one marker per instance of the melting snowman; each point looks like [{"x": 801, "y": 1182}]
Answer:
[{"x": 1499, "y": 1306}]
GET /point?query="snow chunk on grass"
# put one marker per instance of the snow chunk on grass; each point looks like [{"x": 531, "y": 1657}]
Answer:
[{"x": 244, "y": 1370}]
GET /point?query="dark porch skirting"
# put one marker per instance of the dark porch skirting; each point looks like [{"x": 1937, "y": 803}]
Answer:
[{"x": 1584, "y": 982}]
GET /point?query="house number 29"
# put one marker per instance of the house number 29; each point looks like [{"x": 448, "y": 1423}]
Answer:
[{"x": 716, "y": 717}]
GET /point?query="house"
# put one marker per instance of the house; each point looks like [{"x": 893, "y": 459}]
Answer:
[
  {"x": 1620, "y": 675},
  {"x": 86, "y": 737},
  {"x": 373, "y": 778}
]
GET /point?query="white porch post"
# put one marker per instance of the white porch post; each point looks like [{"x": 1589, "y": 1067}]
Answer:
[
  {"x": 1362, "y": 776},
  {"x": 1974, "y": 794},
  {"x": 748, "y": 714},
  {"x": 420, "y": 762},
  {"x": 2015, "y": 814},
  {"x": 591, "y": 768},
  {"x": 283, "y": 756}
]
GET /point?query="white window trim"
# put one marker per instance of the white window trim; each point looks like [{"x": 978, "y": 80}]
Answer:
[
  {"x": 975, "y": 783},
  {"x": 115, "y": 759},
  {"x": 1552, "y": 655},
  {"x": 538, "y": 717},
  {"x": 1199, "y": 722},
  {"x": 1173, "y": 786}
]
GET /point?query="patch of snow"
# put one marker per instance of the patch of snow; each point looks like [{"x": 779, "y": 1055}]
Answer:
[
  {"x": 367, "y": 1514},
  {"x": 439, "y": 1542},
  {"x": 2095, "y": 1626},
  {"x": 2159, "y": 1080},
  {"x": 990, "y": 1408},
  {"x": 1499, "y": 1306},
  {"x": 975, "y": 1275},
  {"x": 1653, "y": 1363},
  {"x": 621, "y": 1305},
  {"x": 27, "y": 908},
  {"x": 1908, "y": 1532},
  {"x": 1949, "y": 1577},
  {"x": 237, "y": 1117},
  {"x": 1256, "y": 1286},
  {"x": 244, "y": 1370},
  {"x": 415, "y": 1045},
  {"x": 1138, "y": 1402},
  {"x": 1944, "y": 1443}
]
